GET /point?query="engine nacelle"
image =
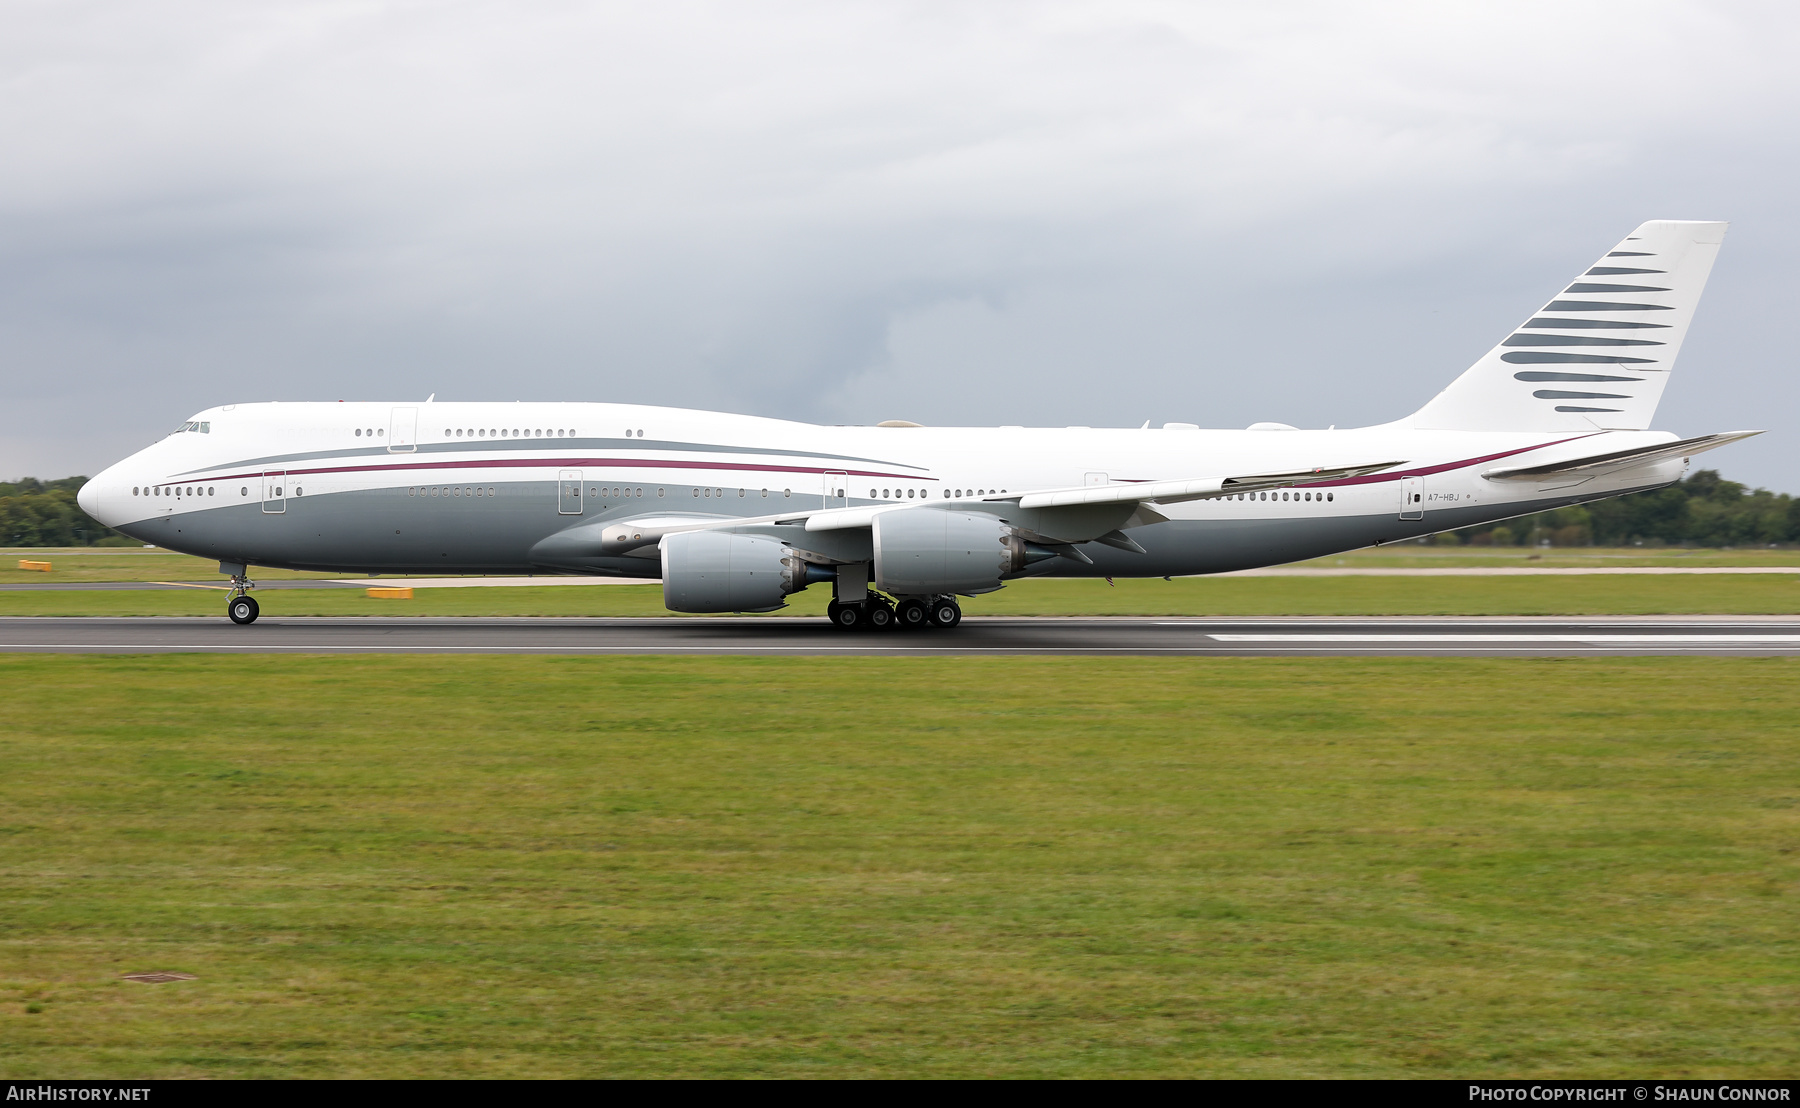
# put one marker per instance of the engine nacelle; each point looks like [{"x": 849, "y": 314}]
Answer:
[
  {"x": 924, "y": 551},
  {"x": 712, "y": 571}
]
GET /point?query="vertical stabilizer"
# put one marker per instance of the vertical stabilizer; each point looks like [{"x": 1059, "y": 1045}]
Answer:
[{"x": 1598, "y": 356}]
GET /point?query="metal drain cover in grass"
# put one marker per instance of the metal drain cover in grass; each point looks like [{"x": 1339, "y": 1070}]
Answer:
[{"x": 159, "y": 978}]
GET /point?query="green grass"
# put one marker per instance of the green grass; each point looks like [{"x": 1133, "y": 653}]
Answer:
[
  {"x": 107, "y": 564},
  {"x": 1748, "y": 594},
  {"x": 1413, "y": 556},
  {"x": 447, "y": 867}
]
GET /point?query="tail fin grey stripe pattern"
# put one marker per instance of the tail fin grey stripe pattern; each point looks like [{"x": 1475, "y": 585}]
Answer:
[{"x": 1609, "y": 338}]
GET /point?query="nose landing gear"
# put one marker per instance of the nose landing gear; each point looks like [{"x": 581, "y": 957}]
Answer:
[{"x": 241, "y": 607}]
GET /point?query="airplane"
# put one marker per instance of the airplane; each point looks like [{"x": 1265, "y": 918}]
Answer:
[{"x": 737, "y": 513}]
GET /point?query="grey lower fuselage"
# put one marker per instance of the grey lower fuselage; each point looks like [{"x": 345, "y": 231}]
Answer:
[{"x": 504, "y": 506}]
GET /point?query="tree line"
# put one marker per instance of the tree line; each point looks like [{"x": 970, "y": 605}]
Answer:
[
  {"x": 44, "y": 513},
  {"x": 1702, "y": 509}
]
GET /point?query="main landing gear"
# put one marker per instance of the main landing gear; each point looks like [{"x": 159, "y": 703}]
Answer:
[
  {"x": 242, "y": 607},
  {"x": 877, "y": 613}
]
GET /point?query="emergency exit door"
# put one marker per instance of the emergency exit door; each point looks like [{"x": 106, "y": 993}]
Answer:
[
  {"x": 837, "y": 490},
  {"x": 1412, "y": 498},
  {"x": 274, "y": 498},
  {"x": 403, "y": 431},
  {"x": 568, "y": 496}
]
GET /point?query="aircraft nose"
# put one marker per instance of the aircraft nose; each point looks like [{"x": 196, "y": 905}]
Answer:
[{"x": 92, "y": 498}]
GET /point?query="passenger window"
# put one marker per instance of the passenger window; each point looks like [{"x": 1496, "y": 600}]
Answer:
[{"x": 359, "y": 432}]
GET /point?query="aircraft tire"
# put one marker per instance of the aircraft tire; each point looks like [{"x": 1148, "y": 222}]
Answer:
[
  {"x": 945, "y": 614},
  {"x": 880, "y": 617},
  {"x": 912, "y": 615},
  {"x": 243, "y": 610},
  {"x": 845, "y": 617}
]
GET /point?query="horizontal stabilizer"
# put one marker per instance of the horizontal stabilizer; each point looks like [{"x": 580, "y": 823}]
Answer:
[{"x": 1598, "y": 464}]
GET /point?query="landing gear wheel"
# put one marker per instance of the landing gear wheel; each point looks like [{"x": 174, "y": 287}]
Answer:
[
  {"x": 845, "y": 617},
  {"x": 945, "y": 614},
  {"x": 879, "y": 616},
  {"x": 912, "y": 614},
  {"x": 243, "y": 609}
]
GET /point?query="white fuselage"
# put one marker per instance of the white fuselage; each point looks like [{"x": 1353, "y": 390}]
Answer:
[{"x": 477, "y": 487}]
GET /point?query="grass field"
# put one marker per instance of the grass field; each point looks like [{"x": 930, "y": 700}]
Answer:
[
  {"x": 1747, "y": 594},
  {"x": 445, "y": 867},
  {"x": 114, "y": 564}
]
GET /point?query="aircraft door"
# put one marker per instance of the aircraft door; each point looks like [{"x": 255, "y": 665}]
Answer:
[
  {"x": 1412, "y": 498},
  {"x": 568, "y": 494},
  {"x": 837, "y": 490},
  {"x": 274, "y": 493},
  {"x": 403, "y": 431}
]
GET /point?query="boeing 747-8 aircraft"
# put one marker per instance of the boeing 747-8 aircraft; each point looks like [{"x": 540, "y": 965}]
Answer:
[{"x": 734, "y": 513}]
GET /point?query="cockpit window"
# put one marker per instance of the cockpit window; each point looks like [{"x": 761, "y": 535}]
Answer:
[{"x": 195, "y": 425}]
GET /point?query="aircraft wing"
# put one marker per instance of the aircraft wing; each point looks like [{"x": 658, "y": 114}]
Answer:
[
  {"x": 1596, "y": 464},
  {"x": 1067, "y": 514},
  {"x": 1123, "y": 497},
  {"x": 1203, "y": 488}
]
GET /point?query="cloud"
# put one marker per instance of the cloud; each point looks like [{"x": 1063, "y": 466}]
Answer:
[{"x": 988, "y": 213}]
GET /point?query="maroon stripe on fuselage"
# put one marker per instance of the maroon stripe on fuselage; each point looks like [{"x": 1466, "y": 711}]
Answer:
[
  {"x": 742, "y": 467},
  {"x": 570, "y": 463}
]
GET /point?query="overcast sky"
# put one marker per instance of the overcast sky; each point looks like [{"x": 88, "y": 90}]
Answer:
[{"x": 968, "y": 213}]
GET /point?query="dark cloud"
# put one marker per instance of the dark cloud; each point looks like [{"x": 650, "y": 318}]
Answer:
[{"x": 1032, "y": 213}]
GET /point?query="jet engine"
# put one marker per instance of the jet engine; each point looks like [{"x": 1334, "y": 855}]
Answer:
[
  {"x": 712, "y": 571},
  {"x": 927, "y": 551}
]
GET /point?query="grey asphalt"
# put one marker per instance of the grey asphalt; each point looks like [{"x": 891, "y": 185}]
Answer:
[{"x": 1445, "y": 636}]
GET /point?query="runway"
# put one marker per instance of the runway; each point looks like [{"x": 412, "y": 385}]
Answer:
[{"x": 1151, "y": 637}]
